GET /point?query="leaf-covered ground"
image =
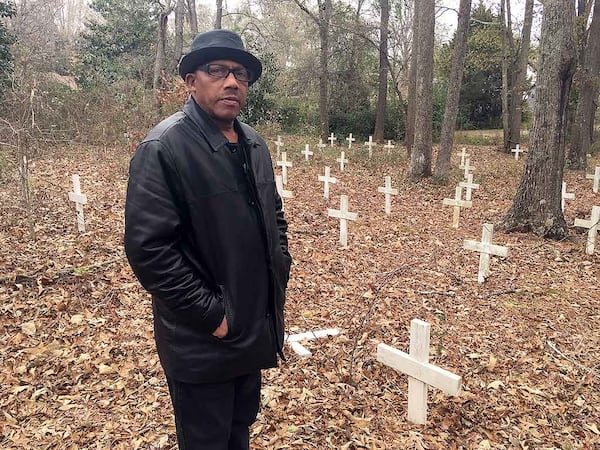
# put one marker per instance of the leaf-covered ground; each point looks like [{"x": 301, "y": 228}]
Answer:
[{"x": 78, "y": 368}]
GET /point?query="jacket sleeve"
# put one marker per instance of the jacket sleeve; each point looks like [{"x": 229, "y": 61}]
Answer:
[{"x": 153, "y": 229}]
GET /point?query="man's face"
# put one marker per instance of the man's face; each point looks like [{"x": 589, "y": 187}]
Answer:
[{"x": 221, "y": 98}]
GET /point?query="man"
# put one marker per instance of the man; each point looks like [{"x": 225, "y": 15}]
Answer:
[{"x": 206, "y": 236}]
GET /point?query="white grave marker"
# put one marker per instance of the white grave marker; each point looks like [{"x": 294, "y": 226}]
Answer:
[
  {"x": 342, "y": 160},
  {"x": 284, "y": 164},
  {"x": 327, "y": 179},
  {"x": 596, "y": 178},
  {"x": 370, "y": 144},
  {"x": 307, "y": 152},
  {"x": 389, "y": 146},
  {"x": 421, "y": 374},
  {"x": 344, "y": 216},
  {"x": 79, "y": 199},
  {"x": 283, "y": 193},
  {"x": 565, "y": 195},
  {"x": 320, "y": 145},
  {"x": 388, "y": 191},
  {"x": 469, "y": 186},
  {"x": 485, "y": 249},
  {"x": 350, "y": 140},
  {"x": 278, "y": 144},
  {"x": 458, "y": 203},
  {"x": 296, "y": 339},
  {"x": 463, "y": 155},
  {"x": 331, "y": 139},
  {"x": 468, "y": 167},
  {"x": 594, "y": 225},
  {"x": 517, "y": 150}
]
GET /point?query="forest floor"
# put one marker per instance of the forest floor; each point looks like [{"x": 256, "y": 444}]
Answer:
[{"x": 78, "y": 366}]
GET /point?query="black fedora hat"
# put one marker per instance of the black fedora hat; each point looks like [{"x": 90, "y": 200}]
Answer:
[{"x": 219, "y": 44}]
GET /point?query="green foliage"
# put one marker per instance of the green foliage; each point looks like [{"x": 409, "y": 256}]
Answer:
[
  {"x": 259, "y": 108},
  {"x": 120, "y": 46},
  {"x": 7, "y": 9}
]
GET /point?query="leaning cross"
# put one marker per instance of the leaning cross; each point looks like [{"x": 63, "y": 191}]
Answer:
[
  {"x": 327, "y": 179},
  {"x": 594, "y": 225},
  {"x": 350, "y": 140},
  {"x": 370, "y": 144},
  {"x": 278, "y": 144},
  {"x": 307, "y": 152},
  {"x": 468, "y": 167},
  {"x": 596, "y": 178},
  {"x": 421, "y": 374},
  {"x": 388, "y": 191},
  {"x": 284, "y": 163},
  {"x": 463, "y": 155},
  {"x": 295, "y": 340},
  {"x": 331, "y": 139},
  {"x": 469, "y": 186},
  {"x": 389, "y": 146},
  {"x": 80, "y": 200},
  {"x": 485, "y": 249},
  {"x": 517, "y": 150},
  {"x": 344, "y": 216},
  {"x": 565, "y": 195},
  {"x": 320, "y": 145},
  {"x": 342, "y": 160},
  {"x": 283, "y": 193},
  {"x": 458, "y": 203}
]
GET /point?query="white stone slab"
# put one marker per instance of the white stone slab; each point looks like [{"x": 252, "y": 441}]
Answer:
[
  {"x": 517, "y": 151},
  {"x": 469, "y": 186},
  {"x": 344, "y": 216},
  {"x": 342, "y": 160},
  {"x": 350, "y": 140},
  {"x": 457, "y": 202},
  {"x": 485, "y": 249},
  {"x": 370, "y": 144},
  {"x": 327, "y": 179},
  {"x": 388, "y": 191},
  {"x": 284, "y": 164},
  {"x": 306, "y": 152},
  {"x": 594, "y": 226},
  {"x": 295, "y": 340},
  {"x": 565, "y": 195},
  {"x": 79, "y": 199},
  {"x": 332, "y": 139},
  {"x": 389, "y": 146},
  {"x": 596, "y": 178}
]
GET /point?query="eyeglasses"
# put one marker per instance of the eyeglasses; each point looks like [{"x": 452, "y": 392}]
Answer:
[{"x": 220, "y": 71}]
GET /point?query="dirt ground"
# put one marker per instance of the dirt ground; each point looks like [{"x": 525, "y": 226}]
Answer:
[{"x": 78, "y": 368}]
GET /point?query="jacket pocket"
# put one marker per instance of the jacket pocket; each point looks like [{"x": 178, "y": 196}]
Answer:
[{"x": 229, "y": 312}]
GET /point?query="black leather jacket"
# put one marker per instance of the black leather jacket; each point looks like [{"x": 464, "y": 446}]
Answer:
[{"x": 206, "y": 236}]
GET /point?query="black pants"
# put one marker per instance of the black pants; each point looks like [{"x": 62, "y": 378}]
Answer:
[{"x": 215, "y": 416}]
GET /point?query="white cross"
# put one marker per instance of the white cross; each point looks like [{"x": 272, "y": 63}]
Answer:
[
  {"x": 283, "y": 193},
  {"x": 370, "y": 144},
  {"x": 388, "y": 191},
  {"x": 389, "y": 146},
  {"x": 80, "y": 200},
  {"x": 485, "y": 249},
  {"x": 468, "y": 167},
  {"x": 421, "y": 373},
  {"x": 284, "y": 163},
  {"x": 469, "y": 186},
  {"x": 307, "y": 152},
  {"x": 517, "y": 150},
  {"x": 320, "y": 145},
  {"x": 565, "y": 195},
  {"x": 594, "y": 225},
  {"x": 596, "y": 178},
  {"x": 331, "y": 139},
  {"x": 342, "y": 160},
  {"x": 463, "y": 155},
  {"x": 458, "y": 203},
  {"x": 344, "y": 216},
  {"x": 350, "y": 140},
  {"x": 278, "y": 144},
  {"x": 296, "y": 339},
  {"x": 327, "y": 179}
]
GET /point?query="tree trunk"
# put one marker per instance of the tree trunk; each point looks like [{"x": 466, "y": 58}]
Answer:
[
  {"x": 178, "y": 43},
  {"x": 505, "y": 57},
  {"x": 537, "y": 204},
  {"x": 589, "y": 79},
  {"x": 442, "y": 165},
  {"x": 378, "y": 134},
  {"x": 159, "y": 62},
  {"x": 409, "y": 136},
  {"x": 219, "y": 17},
  {"x": 323, "y": 23},
  {"x": 420, "y": 158},
  {"x": 193, "y": 16}
]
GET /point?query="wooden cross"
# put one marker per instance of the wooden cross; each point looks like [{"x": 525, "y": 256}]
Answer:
[
  {"x": 284, "y": 163},
  {"x": 468, "y": 167},
  {"x": 388, "y": 191},
  {"x": 327, "y": 179},
  {"x": 421, "y": 374},
  {"x": 565, "y": 195},
  {"x": 295, "y": 340},
  {"x": 458, "y": 203},
  {"x": 350, "y": 140},
  {"x": 485, "y": 249},
  {"x": 278, "y": 144},
  {"x": 320, "y": 145},
  {"x": 594, "y": 225},
  {"x": 283, "y": 193},
  {"x": 463, "y": 155},
  {"x": 331, "y": 139},
  {"x": 517, "y": 150},
  {"x": 342, "y": 160},
  {"x": 79, "y": 199},
  {"x": 389, "y": 146},
  {"x": 370, "y": 144},
  {"x": 344, "y": 216},
  {"x": 596, "y": 178},
  {"x": 469, "y": 186},
  {"x": 307, "y": 152}
]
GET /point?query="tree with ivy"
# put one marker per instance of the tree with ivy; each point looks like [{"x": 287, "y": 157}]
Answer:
[
  {"x": 120, "y": 45},
  {"x": 7, "y": 9}
]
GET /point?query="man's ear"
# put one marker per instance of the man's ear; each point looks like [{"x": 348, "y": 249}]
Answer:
[{"x": 189, "y": 81}]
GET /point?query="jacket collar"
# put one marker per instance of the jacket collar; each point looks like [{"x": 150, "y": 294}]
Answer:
[{"x": 209, "y": 128}]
